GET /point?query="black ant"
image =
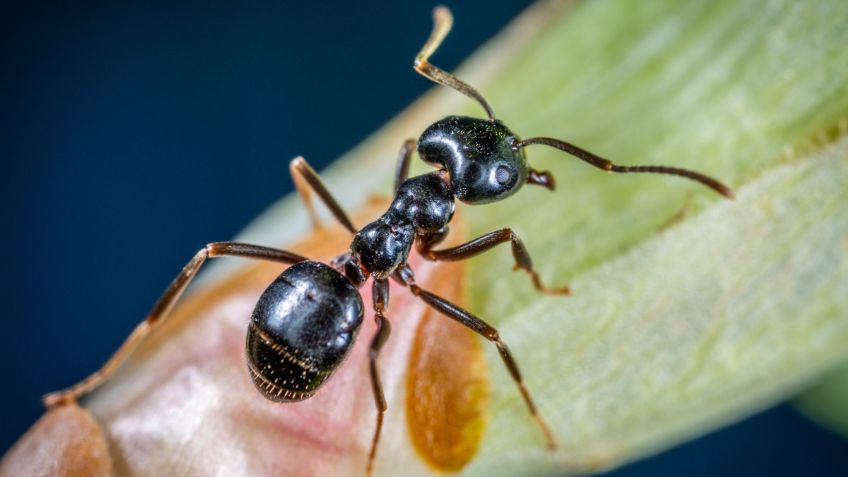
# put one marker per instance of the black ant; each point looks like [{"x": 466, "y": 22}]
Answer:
[{"x": 306, "y": 321}]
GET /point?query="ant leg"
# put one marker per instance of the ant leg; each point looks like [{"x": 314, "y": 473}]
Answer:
[
  {"x": 482, "y": 328},
  {"x": 442, "y": 22},
  {"x": 305, "y": 179},
  {"x": 404, "y": 157},
  {"x": 161, "y": 310},
  {"x": 380, "y": 297},
  {"x": 486, "y": 243},
  {"x": 425, "y": 241}
]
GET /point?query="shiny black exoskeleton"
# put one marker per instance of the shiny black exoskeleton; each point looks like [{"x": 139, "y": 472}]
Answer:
[
  {"x": 481, "y": 157},
  {"x": 478, "y": 164},
  {"x": 422, "y": 204},
  {"x": 302, "y": 328},
  {"x": 306, "y": 321}
]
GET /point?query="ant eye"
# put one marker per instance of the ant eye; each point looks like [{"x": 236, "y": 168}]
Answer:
[{"x": 503, "y": 175}]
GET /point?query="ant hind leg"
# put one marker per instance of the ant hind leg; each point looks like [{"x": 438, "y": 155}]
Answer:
[
  {"x": 455, "y": 312},
  {"x": 380, "y": 295},
  {"x": 162, "y": 309}
]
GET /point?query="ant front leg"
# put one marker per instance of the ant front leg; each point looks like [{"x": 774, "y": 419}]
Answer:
[
  {"x": 380, "y": 297},
  {"x": 305, "y": 179},
  {"x": 482, "y": 328},
  {"x": 163, "y": 307},
  {"x": 404, "y": 157},
  {"x": 486, "y": 243},
  {"x": 425, "y": 241}
]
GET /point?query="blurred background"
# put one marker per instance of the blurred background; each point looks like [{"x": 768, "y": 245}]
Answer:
[{"x": 135, "y": 133}]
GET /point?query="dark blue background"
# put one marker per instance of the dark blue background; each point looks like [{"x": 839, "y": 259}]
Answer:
[{"x": 133, "y": 134}]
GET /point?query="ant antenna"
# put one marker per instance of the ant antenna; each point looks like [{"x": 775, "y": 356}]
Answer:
[
  {"x": 608, "y": 166},
  {"x": 442, "y": 22}
]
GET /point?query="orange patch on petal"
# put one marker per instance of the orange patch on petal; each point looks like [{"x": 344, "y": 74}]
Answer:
[{"x": 447, "y": 388}]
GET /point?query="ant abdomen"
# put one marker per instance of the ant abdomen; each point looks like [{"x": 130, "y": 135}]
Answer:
[{"x": 301, "y": 330}]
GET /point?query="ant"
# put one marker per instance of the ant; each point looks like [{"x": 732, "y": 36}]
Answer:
[{"x": 306, "y": 321}]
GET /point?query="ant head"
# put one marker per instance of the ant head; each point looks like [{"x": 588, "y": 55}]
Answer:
[
  {"x": 479, "y": 155},
  {"x": 485, "y": 160}
]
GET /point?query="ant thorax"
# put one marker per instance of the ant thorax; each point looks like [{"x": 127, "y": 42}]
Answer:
[{"x": 422, "y": 204}]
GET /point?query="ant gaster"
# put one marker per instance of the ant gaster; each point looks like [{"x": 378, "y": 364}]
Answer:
[{"x": 306, "y": 321}]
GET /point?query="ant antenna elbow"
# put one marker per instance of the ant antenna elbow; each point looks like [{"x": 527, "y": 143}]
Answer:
[
  {"x": 609, "y": 166},
  {"x": 442, "y": 22}
]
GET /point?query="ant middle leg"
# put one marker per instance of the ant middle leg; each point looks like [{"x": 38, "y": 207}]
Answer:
[
  {"x": 380, "y": 297},
  {"x": 405, "y": 277},
  {"x": 306, "y": 180},
  {"x": 485, "y": 243},
  {"x": 161, "y": 310}
]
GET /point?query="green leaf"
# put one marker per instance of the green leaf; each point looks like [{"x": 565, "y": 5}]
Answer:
[
  {"x": 827, "y": 402},
  {"x": 688, "y": 312},
  {"x": 724, "y": 314}
]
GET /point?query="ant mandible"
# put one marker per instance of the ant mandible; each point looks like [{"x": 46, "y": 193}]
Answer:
[{"x": 306, "y": 321}]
